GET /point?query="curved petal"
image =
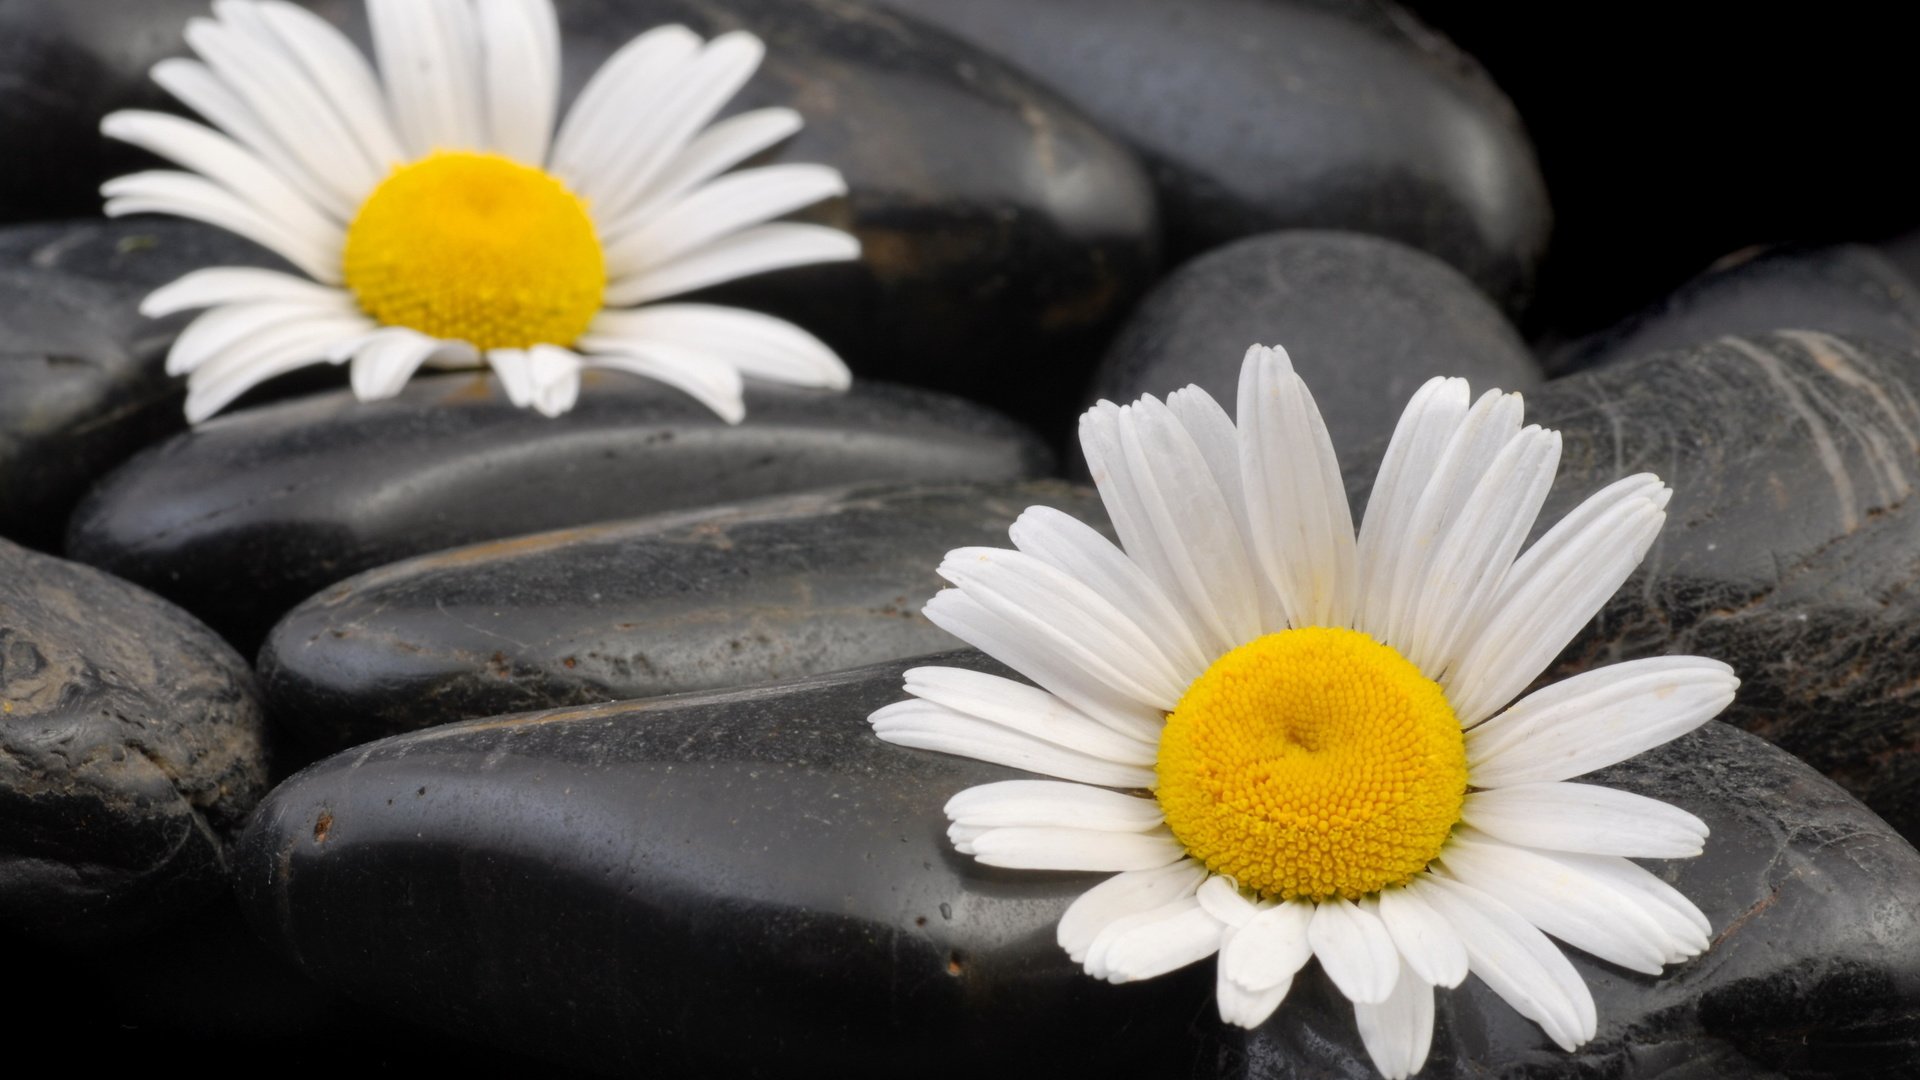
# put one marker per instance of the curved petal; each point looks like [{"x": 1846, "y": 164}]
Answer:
[
  {"x": 428, "y": 51},
  {"x": 1597, "y": 718},
  {"x": 1062, "y": 750},
  {"x": 1238, "y": 1005},
  {"x": 226, "y": 162},
  {"x": 218, "y": 286},
  {"x": 728, "y": 205},
  {"x": 382, "y": 365},
  {"x": 197, "y": 87},
  {"x": 1270, "y": 948},
  {"x": 1586, "y": 818},
  {"x": 1052, "y": 804},
  {"x": 1419, "y": 439},
  {"x": 635, "y": 76},
  {"x": 1122, "y": 896},
  {"x": 342, "y": 76},
  {"x": 1685, "y": 924},
  {"x": 289, "y": 345},
  {"x": 1167, "y": 944},
  {"x": 1354, "y": 949},
  {"x": 1517, "y": 962},
  {"x": 702, "y": 376},
  {"x": 218, "y": 330},
  {"x": 715, "y": 150},
  {"x": 1030, "y": 710},
  {"x": 189, "y": 196},
  {"x": 519, "y": 75},
  {"x": 1056, "y": 848},
  {"x": 759, "y": 250},
  {"x": 1297, "y": 509},
  {"x": 1398, "y": 1032},
  {"x": 1426, "y": 941},
  {"x": 756, "y": 345}
]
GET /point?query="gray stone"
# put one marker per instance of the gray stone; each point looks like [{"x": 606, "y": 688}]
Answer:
[
  {"x": 751, "y": 882},
  {"x": 129, "y": 749},
  {"x": 243, "y": 517},
  {"x": 1365, "y": 320},
  {"x": 733, "y": 596}
]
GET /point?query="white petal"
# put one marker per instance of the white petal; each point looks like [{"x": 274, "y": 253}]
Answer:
[
  {"x": 1222, "y": 899},
  {"x": 1297, "y": 507},
  {"x": 1685, "y": 924},
  {"x": 1070, "y": 619},
  {"x": 1238, "y": 1005},
  {"x": 1076, "y": 548},
  {"x": 702, "y": 376},
  {"x": 634, "y": 77},
  {"x": 927, "y": 726},
  {"x": 655, "y": 137},
  {"x": 728, "y": 205},
  {"x": 197, "y": 87},
  {"x": 1545, "y": 601},
  {"x": 1052, "y": 803},
  {"x": 189, "y": 196},
  {"x": 1269, "y": 948},
  {"x": 759, "y": 346},
  {"x": 1398, "y": 1032},
  {"x": 1121, "y": 896},
  {"x": 1585, "y": 818},
  {"x": 226, "y": 162},
  {"x": 1076, "y": 849},
  {"x": 219, "y": 285},
  {"x": 1426, "y": 941},
  {"x": 1471, "y": 560},
  {"x": 1039, "y": 658},
  {"x": 343, "y": 77},
  {"x": 714, "y": 151},
  {"x": 382, "y": 366},
  {"x": 1597, "y": 718},
  {"x": 1030, "y": 710},
  {"x": 520, "y": 75},
  {"x": 1470, "y": 449},
  {"x": 1173, "y": 519},
  {"x": 1213, "y": 432},
  {"x": 289, "y": 345},
  {"x": 1558, "y": 901},
  {"x": 1144, "y": 952},
  {"x": 249, "y": 59},
  {"x": 220, "y": 329},
  {"x": 758, "y": 250},
  {"x": 1120, "y": 929},
  {"x": 1354, "y": 949},
  {"x": 1419, "y": 439},
  {"x": 1517, "y": 962},
  {"x": 428, "y": 52}
]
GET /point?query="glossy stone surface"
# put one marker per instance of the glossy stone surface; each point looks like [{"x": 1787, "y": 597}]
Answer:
[
  {"x": 82, "y": 383},
  {"x": 129, "y": 749},
  {"x": 1266, "y": 114},
  {"x": 752, "y": 882},
  {"x": 1003, "y": 231},
  {"x": 1365, "y": 321},
  {"x": 758, "y": 592},
  {"x": 247, "y": 515},
  {"x": 1848, "y": 289},
  {"x": 1792, "y": 543}
]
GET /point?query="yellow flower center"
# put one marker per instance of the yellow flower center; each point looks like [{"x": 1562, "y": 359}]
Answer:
[
  {"x": 1313, "y": 763},
  {"x": 477, "y": 248}
]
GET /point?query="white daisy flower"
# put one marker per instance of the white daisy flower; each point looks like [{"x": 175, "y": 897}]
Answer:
[
  {"x": 441, "y": 219},
  {"x": 1311, "y": 734}
]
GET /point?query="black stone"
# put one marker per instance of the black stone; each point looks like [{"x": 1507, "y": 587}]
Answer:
[
  {"x": 1003, "y": 230},
  {"x": 1848, "y": 289},
  {"x": 1365, "y": 320},
  {"x": 1267, "y": 114},
  {"x": 245, "y": 516},
  {"x": 130, "y": 748},
  {"x": 82, "y": 378},
  {"x": 751, "y": 881},
  {"x": 760, "y": 592},
  {"x": 1792, "y": 545}
]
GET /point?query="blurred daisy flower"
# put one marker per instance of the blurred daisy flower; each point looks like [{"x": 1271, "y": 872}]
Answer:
[
  {"x": 1291, "y": 744},
  {"x": 441, "y": 219}
]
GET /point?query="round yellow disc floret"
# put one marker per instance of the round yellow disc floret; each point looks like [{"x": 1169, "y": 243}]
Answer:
[
  {"x": 477, "y": 248},
  {"x": 1313, "y": 763}
]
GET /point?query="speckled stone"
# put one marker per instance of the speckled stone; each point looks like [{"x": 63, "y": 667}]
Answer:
[
  {"x": 130, "y": 748},
  {"x": 1848, "y": 289},
  {"x": 1365, "y": 321},
  {"x": 751, "y": 882},
  {"x": 244, "y": 516},
  {"x": 82, "y": 379},
  {"x": 1003, "y": 230},
  {"x": 1269, "y": 114},
  {"x": 1792, "y": 544},
  {"x": 759, "y": 592}
]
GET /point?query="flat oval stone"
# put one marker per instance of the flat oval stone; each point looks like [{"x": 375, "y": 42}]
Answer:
[
  {"x": 733, "y": 596},
  {"x": 130, "y": 747},
  {"x": 1365, "y": 320},
  {"x": 245, "y": 516},
  {"x": 1003, "y": 230},
  {"x": 1848, "y": 289},
  {"x": 1288, "y": 114},
  {"x": 82, "y": 381},
  {"x": 751, "y": 881},
  {"x": 1792, "y": 542}
]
